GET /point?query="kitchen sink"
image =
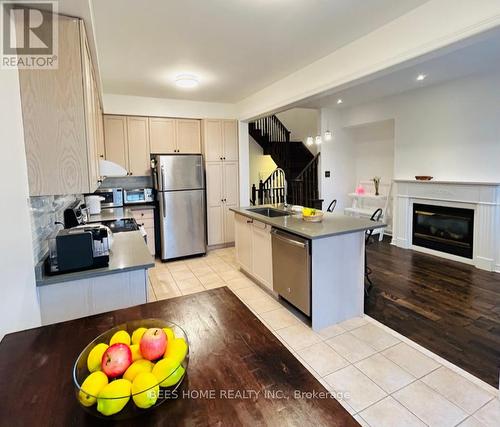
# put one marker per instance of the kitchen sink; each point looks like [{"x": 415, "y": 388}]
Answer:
[{"x": 269, "y": 212}]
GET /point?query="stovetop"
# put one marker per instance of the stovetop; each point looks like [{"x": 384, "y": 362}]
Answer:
[{"x": 121, "y": 225}]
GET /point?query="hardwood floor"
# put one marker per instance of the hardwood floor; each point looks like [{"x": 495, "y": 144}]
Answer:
[{"x": 450, "y": 308}]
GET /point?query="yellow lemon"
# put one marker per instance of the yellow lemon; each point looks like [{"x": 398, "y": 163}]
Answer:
[
  {"x": 95, "y": 357},
  {"x": 91, "y": 387},
  {"x": 137, "y": 367},
  {"x": 113, "y": 397},
  {"x": 168, "y": 371},
  {"x": 145, "y": 390},
  {"x": 137, "y": 335},
  {"x": 120, "y": 337},
  {"x": 136, "y": 352},
  {"x": 306, "y": 211},
  {"x": 177, "y": 350},
  {"x": 170, "y": 335}
]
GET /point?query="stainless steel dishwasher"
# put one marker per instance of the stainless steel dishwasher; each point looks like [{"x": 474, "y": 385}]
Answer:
[{"x": 292, "y": 269}]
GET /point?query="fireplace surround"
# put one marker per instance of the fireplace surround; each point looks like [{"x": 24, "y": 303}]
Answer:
[{"x": 478, "y": 201}]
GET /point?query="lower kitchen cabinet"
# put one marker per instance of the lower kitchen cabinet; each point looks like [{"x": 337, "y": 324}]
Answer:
[
  {"x": 145, "y": 217},
  {"x": 253, "y": 249}
]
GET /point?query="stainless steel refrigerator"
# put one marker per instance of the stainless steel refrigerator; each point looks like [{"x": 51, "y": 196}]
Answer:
[{"x": 180, "y": 185}]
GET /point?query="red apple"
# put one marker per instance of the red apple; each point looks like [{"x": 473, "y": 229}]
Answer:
[
  {"x": 116, "y": 359},
  {"x": 153, "y": 343}
]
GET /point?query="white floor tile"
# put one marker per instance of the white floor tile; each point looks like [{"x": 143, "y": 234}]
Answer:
[
  {"x": 489, "y": 414},
  {"x": 249, "y": 293},
  {"x": 322, "y": 358},
  {"x": 375, "y": 336},
  {"x": 361, "y": 421},
  {"x": 390, "y": 413},
  {"x": 471, "y": 422},
  {"x": 331, "y": 331},
  {"x": 415, "y": 362},
  {"x": 353, "y": 323},
  {"x": 263, "y": 304},
  {"x": 362, "y": 391},
  {"x": 350, "y": 347},
  {"x": 236, "y": 284},
  {"x": 385, "y": 373},
  {"x": 457, "y": 389},
  {"x": 299, "y": 336},
  {"x": 280, "y": 318},
  {"x": 429, "y": 406}
]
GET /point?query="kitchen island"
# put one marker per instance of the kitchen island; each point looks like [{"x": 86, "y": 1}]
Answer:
[
  {"x": 239, "y": 373},
  {"x": 335, "y": 265}
]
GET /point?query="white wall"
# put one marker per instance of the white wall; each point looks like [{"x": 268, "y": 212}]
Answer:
[
  {"x": 261, "y": 165},
  {"x": 163, "y": 107},
  {"x": 450, "y": 131},
  {"x": 301, "y": 122},
  {"x": 18, "y": 300}
]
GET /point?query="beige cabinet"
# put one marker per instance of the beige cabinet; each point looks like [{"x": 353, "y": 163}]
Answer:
[
  {"x": 162, "y": 135},
  {"x": 115, "y": 139},
  {"x": 188, "y": 136},
  {"x": 220, "y": 140},
  {"x": 243, "y": 242},
  {"x": 60, "y": 117},
  {"x": 222, "y": 194},
  {"x": 145, "y": 218}
]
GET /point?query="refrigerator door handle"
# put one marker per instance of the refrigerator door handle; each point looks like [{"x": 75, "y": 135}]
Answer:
[
  {"x": 162, "y": 177},
  {"x": 164, "y": 202}
]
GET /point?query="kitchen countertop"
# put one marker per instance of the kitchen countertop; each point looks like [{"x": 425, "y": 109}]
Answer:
[
  {"x": 332, "y": 225},
  {"x": 109, "y": 214},
  {"x": 128, "y": 252},
  {"x": 252, "y": 376}
]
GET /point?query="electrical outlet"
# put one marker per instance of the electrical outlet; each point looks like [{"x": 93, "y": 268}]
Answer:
[{"x": 327, "y": 174}]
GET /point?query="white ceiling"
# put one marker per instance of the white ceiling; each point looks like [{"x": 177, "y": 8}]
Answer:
[
  {"x": 236, "y": 47},
  {"x": 477, "y": 56}
]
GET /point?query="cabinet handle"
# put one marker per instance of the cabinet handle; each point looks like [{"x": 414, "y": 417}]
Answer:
[
  {"x": 101, "y": 156},
  {"x": 249, "y": 221},
  {"x": 220, "y": 158},
  {"x": 223, "y": 158}
]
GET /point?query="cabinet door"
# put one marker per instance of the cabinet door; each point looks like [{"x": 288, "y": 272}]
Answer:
[
  {"x": 188, "y": 136},
  {"x": 162, "y": 135},
  {"x": 262, "y": 253},
  {"x": 212, "y": 140},
  {"x": 115, "y": 139},
  {"x": 230, "y": 176},
  {"x": 243, "y": 241},
  {"x": 214, "y": 177},
  {"x": 101, "y": 151},
  {"x": 151, "y": 239},
  {"x": 215, "y": 224},
  {"x": 138, "y": 146},
  {"x": 228, "y": 224},
  {"x": 230, "y": 128}
]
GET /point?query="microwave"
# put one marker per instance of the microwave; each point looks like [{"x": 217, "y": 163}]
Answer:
[
  {"x": 113, "y": 197},
  {"x": 139, "y": 195}
]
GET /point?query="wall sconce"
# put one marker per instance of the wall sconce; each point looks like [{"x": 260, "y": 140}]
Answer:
[
  {"x": 309, "y": 140},
  {"x": 328, "y": 135},
  {"x": 318, "y": 140}
]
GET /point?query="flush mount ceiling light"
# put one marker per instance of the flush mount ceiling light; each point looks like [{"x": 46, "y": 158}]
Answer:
[
  {"x": 328, "y": 135},
  {"x": 339, "y": 101},
  {"x": 186, "y": 81},
  {"x": 309, "y": 140},
  {"x": 421, "y": 77},
  {"x": 318, "y": 140}
]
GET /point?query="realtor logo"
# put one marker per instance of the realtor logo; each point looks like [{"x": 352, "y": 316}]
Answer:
[{"x": 29, "y": 34}]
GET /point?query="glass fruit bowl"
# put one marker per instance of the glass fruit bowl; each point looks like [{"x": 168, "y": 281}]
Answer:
[{"x": 115, "y": 379}]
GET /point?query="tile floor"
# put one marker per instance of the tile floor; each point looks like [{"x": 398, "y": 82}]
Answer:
[{"x": 384, "y": 378}]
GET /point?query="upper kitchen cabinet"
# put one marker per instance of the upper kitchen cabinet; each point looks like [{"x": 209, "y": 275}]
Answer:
[
  {"x": 188, "y": 136},
  {"x": 61, "y": 113},
  {"x": 220, "y": 140},
  {"x": 115, "y": 137},
  {"x": 162, "y": 135}
]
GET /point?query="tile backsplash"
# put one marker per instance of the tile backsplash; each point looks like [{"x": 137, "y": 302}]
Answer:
[
  {"x": 128, "y": 182},
  {"x": 45, "y": 211}
]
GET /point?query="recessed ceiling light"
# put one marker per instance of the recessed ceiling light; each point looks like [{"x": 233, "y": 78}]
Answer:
[
  {"x": 339, "y": 101},
  {"x": 309, "y": 140},
  {"x": 328, "y": 135},
  {"x": 186, "y": 81},
  {"x": 421, "y": 77}
]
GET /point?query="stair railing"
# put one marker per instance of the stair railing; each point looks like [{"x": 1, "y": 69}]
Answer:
[
  {"x": 271, "y": 129},
  {"x": 270, "y": 191},
  {"x": 304, "y": 188}
]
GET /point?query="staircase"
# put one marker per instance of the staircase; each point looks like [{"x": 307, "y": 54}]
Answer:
[{"x": 293, "y": 157}]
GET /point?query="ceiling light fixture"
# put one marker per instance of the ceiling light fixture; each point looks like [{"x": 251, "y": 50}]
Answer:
[
  {"x": 318, "y": 140},
  {"x": 186, "y": 81},
  {"x": 339, "y": 101},
  {"x": 309, "y": 140},
  {"x": 421, "y": 77},
  {"x": 328, "y": 135}
]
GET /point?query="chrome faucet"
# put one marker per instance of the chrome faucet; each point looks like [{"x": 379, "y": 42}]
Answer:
[{"x": 286, "y": 190}]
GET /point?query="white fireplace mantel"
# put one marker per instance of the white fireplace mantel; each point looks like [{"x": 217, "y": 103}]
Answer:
[{"x": 483, "y": 197}]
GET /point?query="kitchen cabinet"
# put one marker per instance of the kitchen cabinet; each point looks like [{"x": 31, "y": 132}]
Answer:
[
  {"x": 220, "y": 140},
  {"x": 61, "y": 113},
  {"x": 253, "y": 249},
  {"x": 127, "y": 143},
  {"x": 188, "y": 136},
  {"x": 162, "y": 135},
  {"x": 145, "y": 218},
  {"x": 222, "y": 194}
]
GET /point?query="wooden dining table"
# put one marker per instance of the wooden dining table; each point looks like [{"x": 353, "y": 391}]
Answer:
[{"x": 239, "y": 373}]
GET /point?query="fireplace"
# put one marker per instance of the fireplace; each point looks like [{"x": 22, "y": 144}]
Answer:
[{"x": 444, "y": 228}]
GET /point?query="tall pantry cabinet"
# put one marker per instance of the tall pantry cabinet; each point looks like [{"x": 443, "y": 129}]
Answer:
[{"x": 220, "y": 149}]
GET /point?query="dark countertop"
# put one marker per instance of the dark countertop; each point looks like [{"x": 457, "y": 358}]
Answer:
[
  {"x": 332, "y": 225},
  {"x": 128, "y": 252},
  {"x": 230, "y": 351}
]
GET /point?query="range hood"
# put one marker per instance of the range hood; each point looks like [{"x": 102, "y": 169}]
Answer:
[{"x": 107, "y": 168}]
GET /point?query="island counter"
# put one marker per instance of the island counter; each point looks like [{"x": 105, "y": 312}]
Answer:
[{"x": 337, "y": 258}]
